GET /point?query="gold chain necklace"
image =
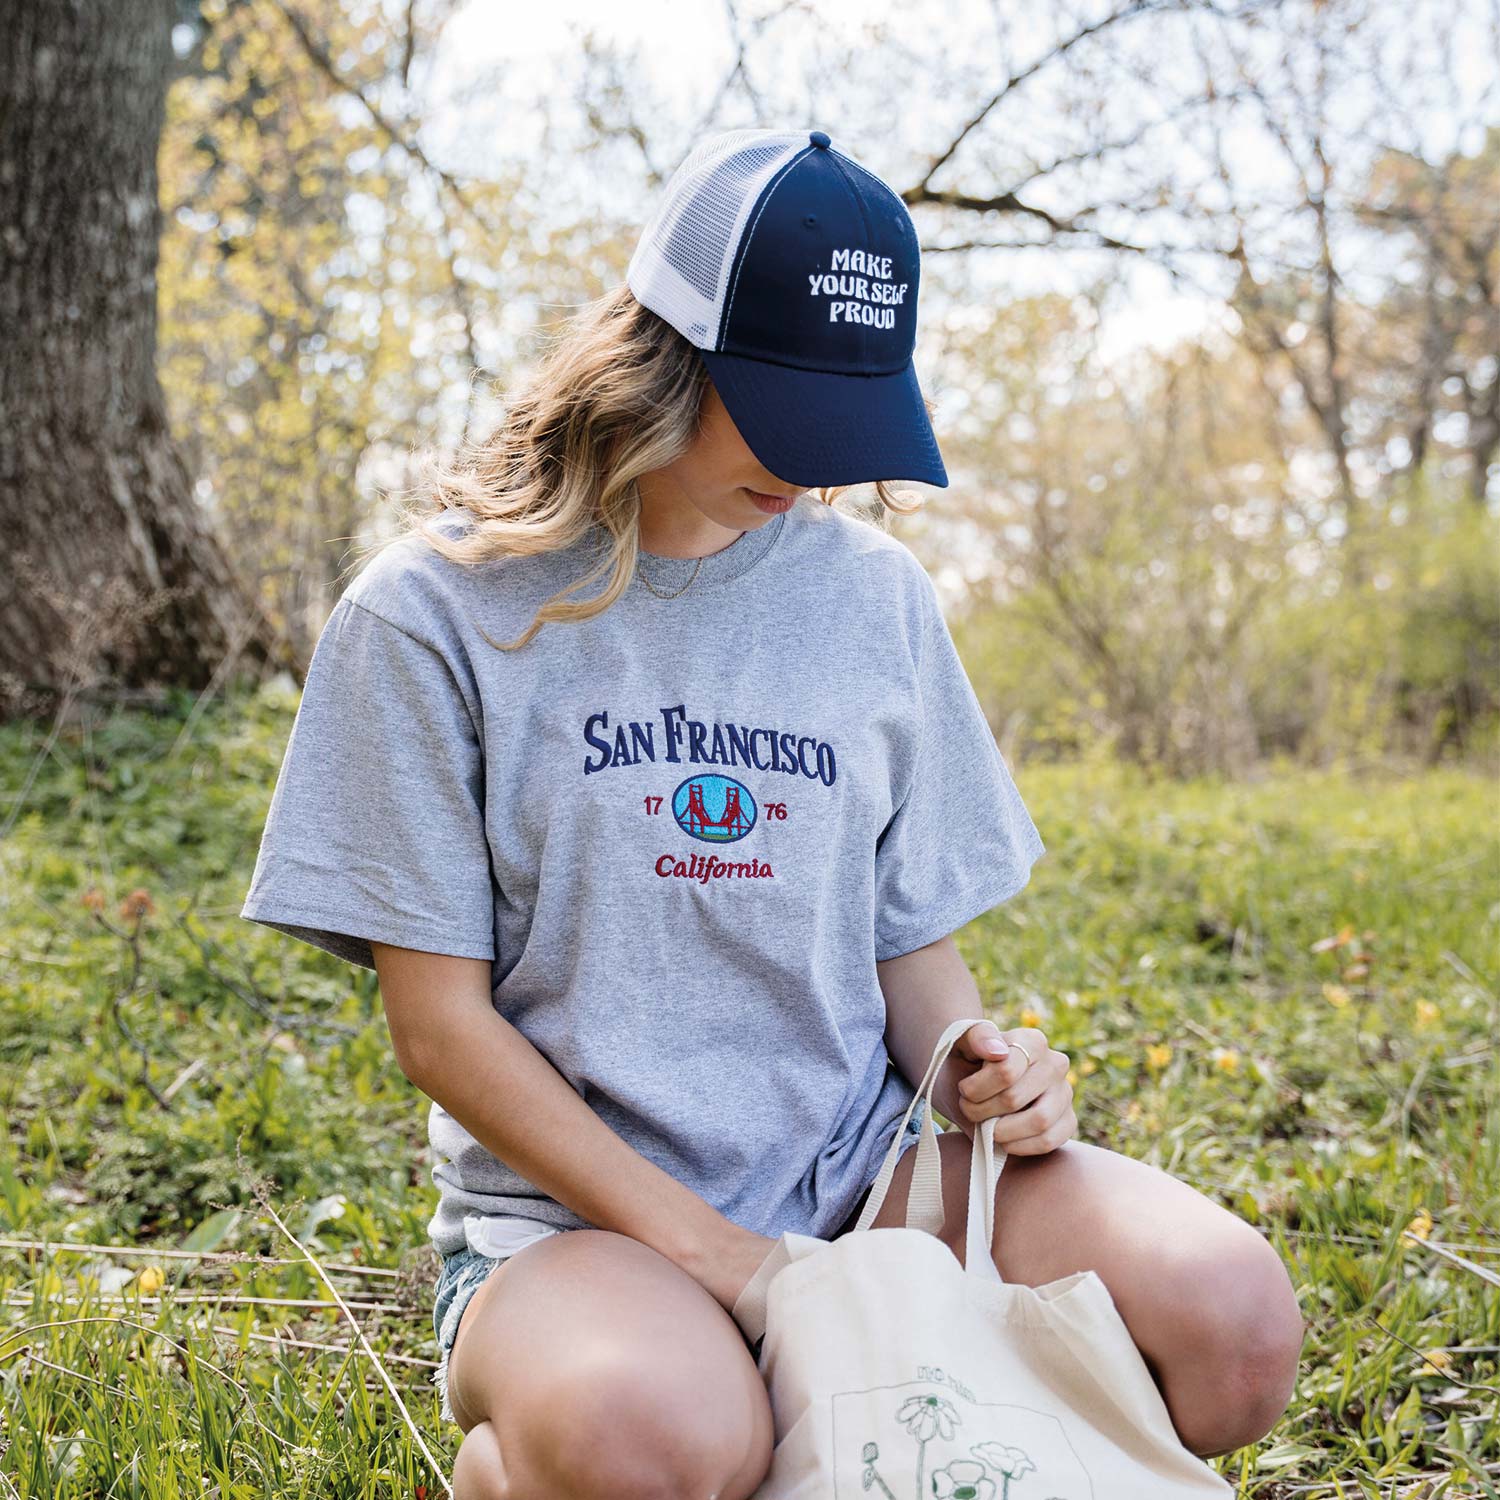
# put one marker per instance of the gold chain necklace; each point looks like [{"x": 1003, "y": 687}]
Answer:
[{"x": 640, "y": 572}]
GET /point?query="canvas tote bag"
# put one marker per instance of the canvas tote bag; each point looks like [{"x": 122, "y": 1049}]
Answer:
[{"x": 896, "y": 1373}]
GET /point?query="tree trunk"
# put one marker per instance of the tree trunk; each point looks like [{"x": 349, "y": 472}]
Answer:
[{"x": 110, "y": 575}]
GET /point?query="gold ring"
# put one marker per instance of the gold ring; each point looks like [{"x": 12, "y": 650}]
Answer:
[{"x": 1024, "y": 1052}]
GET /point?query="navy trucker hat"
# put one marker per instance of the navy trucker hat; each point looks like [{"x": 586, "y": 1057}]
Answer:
[{"x": 794, "y": 271}]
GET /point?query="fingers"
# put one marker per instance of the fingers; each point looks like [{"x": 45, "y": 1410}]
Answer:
[
  {"x": 1011, "y": 1082},
  {"x": 1032, "y": 1104},
  {"x": 1041, "y": 1127}
]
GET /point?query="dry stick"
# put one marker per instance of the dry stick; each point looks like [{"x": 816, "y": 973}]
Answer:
[
  {"x": 1374, "y": 1239},
  {"x": 1468, "y": 1385},
  {"x": 1483, "y": 1272},
  {"x": 219, "y": 1299},
  {"x": 196, "y": 1066},
  {"x": 25, "y": 1328},
  {"x": 234, "y": 1333},
  {"x": 277, "y": 1338},
  {"x": 114, "y": 1390},
  {"x": 263, "y": 1198},
  {"x": 240, "y": 1257}
]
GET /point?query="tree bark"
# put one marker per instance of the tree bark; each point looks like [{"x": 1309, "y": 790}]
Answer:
[{"x": 111, "y": 577}]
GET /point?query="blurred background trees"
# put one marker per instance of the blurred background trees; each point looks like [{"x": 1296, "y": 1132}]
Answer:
[{"x": 1210, "y": 310}]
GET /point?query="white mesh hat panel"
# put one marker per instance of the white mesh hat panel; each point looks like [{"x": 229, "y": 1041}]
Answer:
[{"x": 680, "y": 268}]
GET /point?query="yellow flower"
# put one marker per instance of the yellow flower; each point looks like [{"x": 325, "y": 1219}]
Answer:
[
  {"x": 1226, "y": 1059},
  {"x": 1158, "y": 1055},
  {"x": 1421, "y": 1224},
  {"x": 1030, "y": 1018},
  {"x": 1336, "y": 995},
  {"x": 151, "y": 1279},
  {"x": 1435, "y": 1361},
  {"x": 1426, "y": 1012},
  {"x": 1072, "y": 1077},
  {"x": 1087, "y": 1066}
]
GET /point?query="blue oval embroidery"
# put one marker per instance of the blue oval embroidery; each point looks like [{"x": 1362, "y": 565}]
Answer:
[{"x": 716, "y": 809}]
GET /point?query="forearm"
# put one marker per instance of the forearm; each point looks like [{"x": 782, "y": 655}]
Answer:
[
  {"x": 925, "y": 992},
  {"x": 511, "y": 1099}
]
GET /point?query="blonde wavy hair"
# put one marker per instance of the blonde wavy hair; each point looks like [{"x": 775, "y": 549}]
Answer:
[{"x": 617, "y": 394}]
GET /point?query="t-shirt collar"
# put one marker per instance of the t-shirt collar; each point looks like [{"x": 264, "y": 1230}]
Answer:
[{"x": 668, "y": 574}]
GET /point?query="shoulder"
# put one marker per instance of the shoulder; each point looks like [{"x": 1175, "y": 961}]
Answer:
[
  {"x": 878, "y": 567},
  {"x": 865, "y": 544},
  {"x": 409, "y": 584}
]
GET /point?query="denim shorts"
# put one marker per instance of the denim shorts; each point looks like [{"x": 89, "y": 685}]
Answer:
[{"x": 464, "y": 1271}]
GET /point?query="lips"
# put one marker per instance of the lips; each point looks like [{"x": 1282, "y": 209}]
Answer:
[{"x": 773, "y": 505}]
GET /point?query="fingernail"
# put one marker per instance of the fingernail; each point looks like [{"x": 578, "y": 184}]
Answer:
[{"x": 997, "y": 1047}]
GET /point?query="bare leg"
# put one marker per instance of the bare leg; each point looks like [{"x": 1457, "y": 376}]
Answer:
[{"x": 589, "y": 1364}]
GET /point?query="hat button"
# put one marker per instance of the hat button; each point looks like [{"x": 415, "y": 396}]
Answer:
[{"x": 818, "y": 138}]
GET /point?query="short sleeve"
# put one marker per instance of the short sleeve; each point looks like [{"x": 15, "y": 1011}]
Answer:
[
  {"x": 376, "y": 826},
  {"x": 961, "y": 841}
]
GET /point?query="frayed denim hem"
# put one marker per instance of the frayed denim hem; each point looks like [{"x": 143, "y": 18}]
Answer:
[{"x": 462, "y": 1275}]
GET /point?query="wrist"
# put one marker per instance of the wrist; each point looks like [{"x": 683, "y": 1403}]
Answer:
[
  {"x": 946, "y": 1098},
  {"x": 722, "y": 1264},
  {"x": 708, "y": 1240}
]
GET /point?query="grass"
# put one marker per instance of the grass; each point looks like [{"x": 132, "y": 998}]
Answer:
[{"x": 1284, "y": 993}]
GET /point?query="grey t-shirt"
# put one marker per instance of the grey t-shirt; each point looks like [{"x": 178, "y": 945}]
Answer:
[{"x": 684, "y": 832}]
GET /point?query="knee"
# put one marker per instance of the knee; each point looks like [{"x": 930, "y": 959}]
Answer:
[
  {"x": 478, "y": 1473},
  {"x": 1242, "y": 1343},
  {"x": 606, "y": 1427}
]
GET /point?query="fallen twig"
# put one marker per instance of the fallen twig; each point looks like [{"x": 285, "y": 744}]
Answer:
[
  {"x": 263, "y": 1198},
  {"x": 1483, "y": 1272},
  {"x": 153, "y": 1253}
]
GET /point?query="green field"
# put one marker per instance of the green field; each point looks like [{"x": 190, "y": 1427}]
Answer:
[{"x": 1286, "y": 993}]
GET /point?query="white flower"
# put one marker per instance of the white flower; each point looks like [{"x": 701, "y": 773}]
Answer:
[
  {"x": 962, "y": 1479},
  {"x": 1011, "y": 1462},
  {"x": 925, "y": 1417}
]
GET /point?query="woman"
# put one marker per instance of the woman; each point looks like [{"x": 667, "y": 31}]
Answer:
[{"x": 660, "y": 882}]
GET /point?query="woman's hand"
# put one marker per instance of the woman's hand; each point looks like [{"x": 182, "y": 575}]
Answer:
[{"x": 1032, "y": 1103}]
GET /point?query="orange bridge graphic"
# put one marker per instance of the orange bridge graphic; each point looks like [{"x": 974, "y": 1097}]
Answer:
[{"x": 734, "y": 814}]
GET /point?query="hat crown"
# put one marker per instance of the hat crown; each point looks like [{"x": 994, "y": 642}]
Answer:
[{"x": 770, "y": 244}]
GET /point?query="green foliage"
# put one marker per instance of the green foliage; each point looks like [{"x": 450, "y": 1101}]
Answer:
[
  {"x": 1164, "y": 567},
  {"x": 1282, "y": 993}
]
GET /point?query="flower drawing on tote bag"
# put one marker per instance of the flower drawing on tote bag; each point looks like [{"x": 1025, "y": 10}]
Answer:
[
  {"x": 911, "y": 1442},
  {"x": 1006, "y": 1461},
  {"x": 963, "y": 1479}
]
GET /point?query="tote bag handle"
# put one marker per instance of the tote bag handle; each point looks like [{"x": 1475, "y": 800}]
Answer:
[{"x": 924, "y": 1203}]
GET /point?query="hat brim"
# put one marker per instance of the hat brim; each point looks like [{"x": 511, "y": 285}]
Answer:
[{"x": 812, "y": 427}]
